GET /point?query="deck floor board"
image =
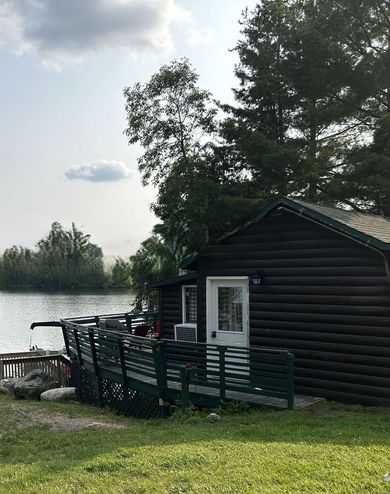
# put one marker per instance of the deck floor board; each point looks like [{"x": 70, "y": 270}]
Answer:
[{"x": 300, "y": 401}]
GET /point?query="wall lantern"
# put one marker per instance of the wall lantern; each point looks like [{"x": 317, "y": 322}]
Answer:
[{"x": 257, "y": 278}]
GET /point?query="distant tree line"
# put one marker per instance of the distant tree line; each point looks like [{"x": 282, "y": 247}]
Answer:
[
  {"x": 311, "y": 120},
  {"x": 64, "y": 259}
]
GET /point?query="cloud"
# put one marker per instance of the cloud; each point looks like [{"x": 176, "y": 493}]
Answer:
[
  {"x": 192, "y": 33},
  {"x": 99, "y": 171},
  {"x": 62, "y": 32}
]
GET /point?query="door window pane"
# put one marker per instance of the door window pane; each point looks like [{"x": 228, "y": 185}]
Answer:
[
  {"x": 230, "y": 309},
  {"x": 190, "y": 305}
]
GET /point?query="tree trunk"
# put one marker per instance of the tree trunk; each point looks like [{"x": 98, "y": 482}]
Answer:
[{"x": 312, "y": 152}]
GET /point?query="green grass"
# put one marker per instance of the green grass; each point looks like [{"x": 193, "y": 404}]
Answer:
[{"x": 329, "y": 448}]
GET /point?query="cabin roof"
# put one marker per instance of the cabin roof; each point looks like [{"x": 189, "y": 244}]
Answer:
[
  {"x": 368, "y": 229},
  {"x": 370, "y": 225},
  {"x": 172, "y": 280}
]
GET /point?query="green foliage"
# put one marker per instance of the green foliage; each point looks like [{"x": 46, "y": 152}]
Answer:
[
  {"x": 169, "y": 116},
  {"x": 154, "y": 259},
  {"x": 121, "y": 273},
  {"x": 363, "y": 30},
  {"x": 184, "y": 415},
  {"x": 234, "y": 407},
  {"x": 18, "y": 268},
  {"x": 64, "y": 259},
  {"x": 197, "y": 199},
  {"x": 289, "y": 121},
  {"x": 175, "y": 122}
]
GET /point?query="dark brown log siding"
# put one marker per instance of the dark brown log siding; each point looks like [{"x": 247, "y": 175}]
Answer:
[
  {"x": 325, "y": 297},
  {"x": 170, "y": 309}
]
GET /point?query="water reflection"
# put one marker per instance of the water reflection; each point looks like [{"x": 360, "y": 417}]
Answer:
[{"x": 19, "y": 309}]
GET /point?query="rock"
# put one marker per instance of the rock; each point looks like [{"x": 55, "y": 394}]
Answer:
[
  {"x": 4, "y": 390},
  {"x": 59, "y": 394},
  {"x": 32, "y": 385},
  {"x": 213, "y": 417},
  {"x": 9, "y": 382},
  {"x": 98, "y": 425}
]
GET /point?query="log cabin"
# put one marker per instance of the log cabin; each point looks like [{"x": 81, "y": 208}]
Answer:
[{"x": 311, "y": 279}]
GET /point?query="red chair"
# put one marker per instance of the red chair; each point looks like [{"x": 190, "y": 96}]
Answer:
[{"x": 141, "y": 330}]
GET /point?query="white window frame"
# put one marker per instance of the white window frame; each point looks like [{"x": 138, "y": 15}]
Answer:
[{"x": 183, "y": 303}]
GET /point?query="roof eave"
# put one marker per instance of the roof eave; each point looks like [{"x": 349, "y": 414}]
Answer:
[
  {"x": 171, "y": 280},
  {"x": 189, "y": 261}
]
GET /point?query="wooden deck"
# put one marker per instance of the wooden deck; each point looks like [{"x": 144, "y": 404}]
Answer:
[
  {"x": 196, "y": 390},
  {"x": 300, "y": 401},
  {"x": 16, "y": 365},
  {"x": 124, "y": 365}
]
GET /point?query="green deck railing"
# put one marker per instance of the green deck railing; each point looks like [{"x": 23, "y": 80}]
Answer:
[{"x": 199, "y": 373}]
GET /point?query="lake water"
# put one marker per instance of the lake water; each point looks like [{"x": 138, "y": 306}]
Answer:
[{"x": 19, "y": 309}]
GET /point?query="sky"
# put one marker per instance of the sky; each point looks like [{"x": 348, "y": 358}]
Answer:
[{"x": 63, "y": 67}]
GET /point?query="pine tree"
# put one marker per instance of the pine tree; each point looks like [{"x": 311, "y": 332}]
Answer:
[{"x": 291, "y": 121}]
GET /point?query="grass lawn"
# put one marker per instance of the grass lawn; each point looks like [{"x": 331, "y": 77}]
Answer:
[{"x": 329, "y": 448}]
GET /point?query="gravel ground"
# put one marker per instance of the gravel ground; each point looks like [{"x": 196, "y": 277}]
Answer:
[{"x": 32, "y": 415}]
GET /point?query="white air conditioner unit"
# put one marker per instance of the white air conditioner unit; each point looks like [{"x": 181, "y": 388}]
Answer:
[{"x": 185, "y": 332}]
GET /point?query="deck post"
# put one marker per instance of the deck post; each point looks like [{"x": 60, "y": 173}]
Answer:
[
  {"x": 185, "y": 378},
  {"x": 123, "y": 363},
  {"x": 290, "y": 380},
  {"x": 222, "y": 370},
  {"x": 160, "y": 365},
  {"x": 77, "y": 341},
  {"x": 59, "y": 374},
  {"x": 129, "y": 320},
  {"x": 99, "y": 401},
  {"x": 65, "y": 336}
]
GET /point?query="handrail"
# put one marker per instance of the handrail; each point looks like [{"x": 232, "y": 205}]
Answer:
[
  {"x": 45, "y": 323},
  {"x": 95, "y": 318},
  {"x": 122, "y": 315},
  {"x": 217, "y": 369},
  {"x": 20, "y": 355}
]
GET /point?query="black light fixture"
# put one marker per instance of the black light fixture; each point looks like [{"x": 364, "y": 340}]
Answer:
[{"x": 257, "y": 278}]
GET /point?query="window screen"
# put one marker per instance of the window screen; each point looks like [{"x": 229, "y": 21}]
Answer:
[{"x": 190, "y": 305}]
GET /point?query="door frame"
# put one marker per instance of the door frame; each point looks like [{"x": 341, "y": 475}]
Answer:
[{"x": 209, "y": 308}]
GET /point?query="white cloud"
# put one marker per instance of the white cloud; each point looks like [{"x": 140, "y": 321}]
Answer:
[
  {"x": 193, "y": 34},
  {"x": 198, "y": 36},
  {"x": 99, "y": 171},
  {"x": 62, "y": 32}
]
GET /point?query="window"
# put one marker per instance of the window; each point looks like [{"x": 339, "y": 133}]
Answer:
[
  {"x": 230, "y": 309},
  {"x": 189, "y": 304}
]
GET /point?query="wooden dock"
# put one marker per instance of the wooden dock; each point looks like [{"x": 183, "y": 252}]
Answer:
[{"x": 16, "y": 365}]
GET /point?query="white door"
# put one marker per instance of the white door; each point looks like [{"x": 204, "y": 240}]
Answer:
[{"x": 227, "y": 311}]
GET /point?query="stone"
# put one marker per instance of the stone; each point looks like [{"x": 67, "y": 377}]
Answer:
[
  {"x": 98, "y": 425},
  {"x": 9, "y": 383},
  {"x": 4, "y": 390},
  {"x": 32, "y": 385},
  {"x": 213, "y": 417},
  {"x": 59, "y": 394}
]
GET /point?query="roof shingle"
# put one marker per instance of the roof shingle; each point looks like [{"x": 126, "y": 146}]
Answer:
[{"x": 372, "y": 225}]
